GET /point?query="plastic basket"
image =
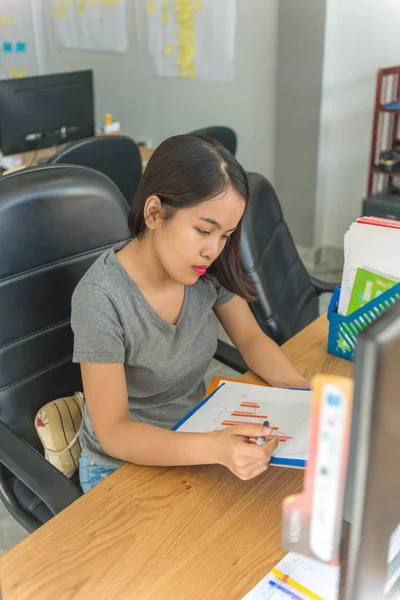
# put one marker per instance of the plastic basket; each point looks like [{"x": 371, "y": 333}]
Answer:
[{"x": 343, "y": 331}]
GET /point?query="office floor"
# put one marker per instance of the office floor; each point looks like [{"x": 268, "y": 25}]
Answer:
[{"x": 12, "y": 533}]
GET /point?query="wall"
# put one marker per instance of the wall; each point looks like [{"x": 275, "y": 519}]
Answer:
[
  {"x": 157, "y": 107},
  {"x": 299, "y": 87},
  {"x": 361, "y": 36}
]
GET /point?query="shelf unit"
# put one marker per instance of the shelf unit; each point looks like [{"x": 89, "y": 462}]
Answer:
[{"x": 385, "y": 131}]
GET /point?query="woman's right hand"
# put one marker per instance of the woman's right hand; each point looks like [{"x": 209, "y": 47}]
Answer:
[{"x": 241, "y": 455}]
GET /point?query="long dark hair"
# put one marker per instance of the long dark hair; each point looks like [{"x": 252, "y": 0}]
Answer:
[{"x": 186, "y": 170}]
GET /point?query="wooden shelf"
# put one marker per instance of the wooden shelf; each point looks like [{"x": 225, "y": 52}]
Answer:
[
  {"x": 386, "y": 126},
  {"x": 378, "y": 169},
  {"x": 389, "y": 109}
]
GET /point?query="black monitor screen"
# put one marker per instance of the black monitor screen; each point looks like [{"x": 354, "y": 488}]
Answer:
[{"x": 37, "y": 112}]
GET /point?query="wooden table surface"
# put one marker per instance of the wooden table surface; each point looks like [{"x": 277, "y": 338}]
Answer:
[{"x": 178, "y": 533}]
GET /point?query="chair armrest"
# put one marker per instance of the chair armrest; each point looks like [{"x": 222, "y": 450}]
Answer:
[
  {"x": 323, "y": 287},
  {"x": 27, "y": 520},
  {"x": 49, "y": 484},
  {"x": 230, "y": 357}
]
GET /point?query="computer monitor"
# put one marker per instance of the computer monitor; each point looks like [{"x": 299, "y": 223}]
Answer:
[
  {"x": 43, "y": 111},
  {"x": 370, "y": 561}
]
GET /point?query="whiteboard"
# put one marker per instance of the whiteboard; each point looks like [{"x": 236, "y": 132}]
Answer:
[
  {"x": 192, "y": 38},
  {"x": 90, "y": 24}
]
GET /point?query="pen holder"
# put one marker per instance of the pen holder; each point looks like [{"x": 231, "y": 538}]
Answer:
[{"x": 343, "y": 330}]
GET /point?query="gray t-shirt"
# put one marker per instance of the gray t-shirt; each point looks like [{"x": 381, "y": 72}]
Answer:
[{"x": 164, "y": 364}]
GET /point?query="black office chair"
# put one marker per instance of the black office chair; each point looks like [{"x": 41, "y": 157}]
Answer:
[
  {"x": 226, "y": 136},
  {"x": 117, "y": 156},
  {"x": 288, "y": 297},
  {"x": 54, "y": 222}
]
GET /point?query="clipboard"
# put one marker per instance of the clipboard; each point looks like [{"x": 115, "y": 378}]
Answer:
[{"x": 216, "y": 385}]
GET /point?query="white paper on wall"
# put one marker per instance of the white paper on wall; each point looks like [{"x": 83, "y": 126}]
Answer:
[
  {"x": 91, "y": 24},
  {"x": 18, "y": 39},
  {"x": 192, "y": 38}
]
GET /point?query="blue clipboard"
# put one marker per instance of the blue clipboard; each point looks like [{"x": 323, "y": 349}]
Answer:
[{"x": 277, "y": 461}]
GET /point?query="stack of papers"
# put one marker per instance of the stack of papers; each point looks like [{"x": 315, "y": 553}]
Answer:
[
  {"x": 373, "y": 245},
  {"x": 298, "y": 577}
]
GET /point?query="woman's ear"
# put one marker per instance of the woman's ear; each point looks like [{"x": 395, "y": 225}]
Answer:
[{"x": 152, "y": 212}]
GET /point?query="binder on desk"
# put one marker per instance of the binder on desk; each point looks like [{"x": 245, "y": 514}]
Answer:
[{"x": 232, "y": 402}]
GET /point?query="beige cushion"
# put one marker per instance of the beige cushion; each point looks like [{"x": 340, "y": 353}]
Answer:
[{"x": 58, "y": 424}]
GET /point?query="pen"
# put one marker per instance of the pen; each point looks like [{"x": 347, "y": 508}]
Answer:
[
  {"x": 296, "y": 585},
  {"x": 260, "y": 441},
  {"x": 284, "y": 590}
]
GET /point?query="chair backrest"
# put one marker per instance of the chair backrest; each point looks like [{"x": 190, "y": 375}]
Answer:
[
  {"x": 225, "y": 135},
  {"x": 54, "y": 222},
  {"x": 117, "y": 156},
  {"x": 287, "y": 300}
]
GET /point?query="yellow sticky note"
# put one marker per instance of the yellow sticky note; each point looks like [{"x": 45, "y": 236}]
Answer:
[
  {"x": 20, "y": 73},
  {"x": 168, "y": 49},
  {"x": 69, "y": 2},
  {"x": 188, "y": 70},
  {"x": 191, "y": 71},
  {"x": 165, "y": 4},
  {"x": 197, "y": 4},
  {"x": 81, "y": 7},
  {"x": 182, "y": 5},
  {"x": 183, "y": 33},
  {"x": 11, "y": 72},
  {"x": 151, "y": 7},
  {"x": 11, "y": 21},
  {"x": 60, "y": 12},
  {"x": 165, "y": 18}
]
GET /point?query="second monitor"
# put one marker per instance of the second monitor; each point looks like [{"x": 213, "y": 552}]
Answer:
[{"x": 47, "y": 110}]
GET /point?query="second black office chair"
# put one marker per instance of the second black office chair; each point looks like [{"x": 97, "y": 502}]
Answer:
[
  {"x": 225, "y": 135},
  {"x": 117, "y": 156},
  {"x": 288, "y": 297}
]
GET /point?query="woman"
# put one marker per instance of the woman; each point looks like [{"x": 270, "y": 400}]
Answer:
[{"x": 142, "y": 320}]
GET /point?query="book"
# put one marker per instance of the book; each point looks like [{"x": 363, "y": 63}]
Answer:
[
  {"x": 367, "y": 286},
  {"x": 234, "y": 402}
]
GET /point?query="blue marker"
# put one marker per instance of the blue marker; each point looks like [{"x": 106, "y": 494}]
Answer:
[{"x": 288, "y": 593}]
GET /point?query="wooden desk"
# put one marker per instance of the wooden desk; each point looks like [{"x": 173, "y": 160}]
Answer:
[{"x": 195, "y": 533}]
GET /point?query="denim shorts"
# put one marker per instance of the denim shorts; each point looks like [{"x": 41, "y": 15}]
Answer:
[{"x": 91, "y": 474}]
